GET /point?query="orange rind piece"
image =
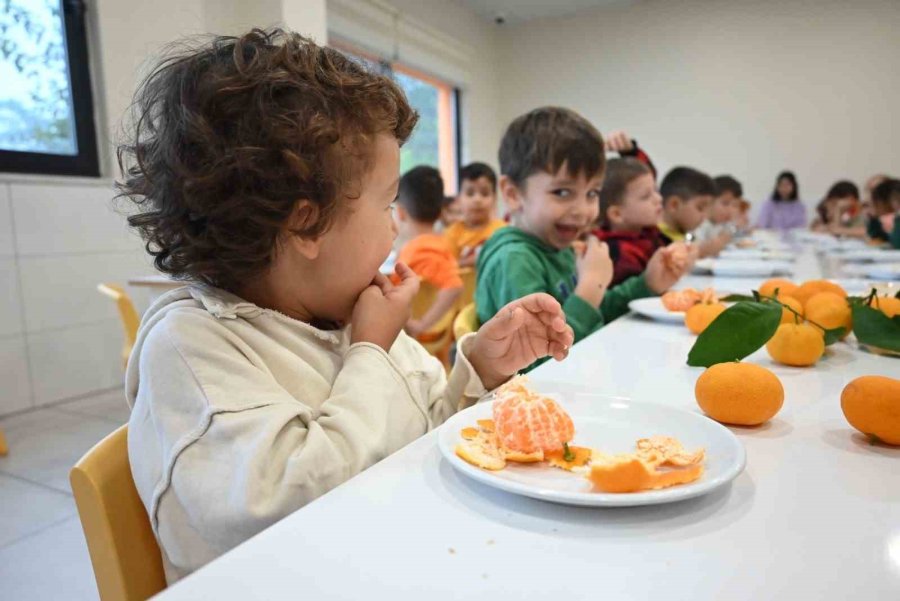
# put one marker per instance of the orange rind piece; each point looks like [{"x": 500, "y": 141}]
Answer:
[
  {"x": 470, "y": 433},
  {"x": 668, "y": 451},
  {"x": 557, "y": 458},
  {"x": 487, "y": 425},
  {"x": 519, "y": 457},
  {"x": 630, "y": 473},
  {"x": 480, "y": 455}
]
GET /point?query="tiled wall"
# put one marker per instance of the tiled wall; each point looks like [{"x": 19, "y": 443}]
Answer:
[{"x": 60, "y": 338}]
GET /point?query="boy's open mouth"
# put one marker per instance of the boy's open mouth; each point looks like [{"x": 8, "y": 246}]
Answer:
[{"x": 566, "y": 232}]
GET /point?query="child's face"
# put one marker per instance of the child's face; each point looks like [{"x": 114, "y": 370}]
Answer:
[
  {"x": 724, "y": 208},
  {"x": 556, "y": 208},
  {"x": 641, "y": 204},
  {"x": 477, "y": 200},
  {"x": 687, "y": 214},
  {"x": 350, "y": 253},
  {"x": 451, "y": 212}
]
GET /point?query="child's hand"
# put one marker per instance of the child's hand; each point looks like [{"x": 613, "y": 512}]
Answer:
[
  {"x": 618, "y": 141},
  {"x": 667, "y": 266},
  {"x": 383, "y": 308},
  {"x": 414, "y": 327},
  {"x": 522, "y": 332},
  {"x": 595, "y": 271}
]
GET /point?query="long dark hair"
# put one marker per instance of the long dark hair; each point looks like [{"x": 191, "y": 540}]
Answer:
[{"x": 788, "y": 175}]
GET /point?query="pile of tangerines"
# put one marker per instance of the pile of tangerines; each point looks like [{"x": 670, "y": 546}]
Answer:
[{"x": 748, "y": 394}]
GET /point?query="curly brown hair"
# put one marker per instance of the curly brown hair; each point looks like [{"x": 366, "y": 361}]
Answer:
[{"x": 229, "y": 135}]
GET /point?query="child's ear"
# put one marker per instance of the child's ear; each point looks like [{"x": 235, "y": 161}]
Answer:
[
  {"x": 673, "y": 203},
  {"x": 402, "y": 214},
  {"x": 614, "y": 215},
  {"x": 304, "y": 216},
  {"x": 511, "y": 194}
]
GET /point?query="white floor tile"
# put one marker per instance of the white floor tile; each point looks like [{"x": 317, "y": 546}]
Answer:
[
  {"x": 52, "y": 564},
  {"x": 29, "y": 508},
  {"x": 109, "y": 405},
  {"x": 45, "y": 444}
]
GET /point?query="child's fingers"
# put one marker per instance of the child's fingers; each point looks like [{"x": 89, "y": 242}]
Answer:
[
  {"x": 383, "y": 282},
  {"x": 546, "y": 308}
]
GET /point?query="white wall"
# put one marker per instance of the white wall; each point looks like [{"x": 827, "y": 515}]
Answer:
[
  {"x": 469, "y": 46},
  {"x": 60, "y": 236},
  {"x": 747, "y": 87}
]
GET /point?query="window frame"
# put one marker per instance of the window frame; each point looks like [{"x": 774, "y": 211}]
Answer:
[
  {"x": 86, "y": 162},
  {"x": 449, "y": 130}
]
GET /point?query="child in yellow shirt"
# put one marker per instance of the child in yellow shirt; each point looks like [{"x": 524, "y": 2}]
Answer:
[{"x": 478, "y": 200}]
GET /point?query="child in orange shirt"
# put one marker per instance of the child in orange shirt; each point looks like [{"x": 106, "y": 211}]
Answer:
[
  {"x": 478, "y": 200},
  {"x": 420, "y": 199}
]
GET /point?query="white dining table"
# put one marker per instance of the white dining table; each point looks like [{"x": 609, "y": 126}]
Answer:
[{"x": 814, "y": 515}]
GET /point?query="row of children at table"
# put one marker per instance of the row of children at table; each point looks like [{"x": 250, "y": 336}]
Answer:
[
  {"x": 593, "y": 234},
  {"x": 876, "y": 217}
]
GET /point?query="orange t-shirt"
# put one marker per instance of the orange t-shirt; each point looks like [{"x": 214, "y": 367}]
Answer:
[
  {"x": 430, "y": 257},
  {"x": 465, "y": 241}
]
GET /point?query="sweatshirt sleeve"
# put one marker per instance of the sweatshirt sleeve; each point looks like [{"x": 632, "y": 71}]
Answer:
[
  {"x": 615, "y": 301},
  {"x": 239, "y": 452},
  {"x": 520, "y": 276},
  {"x": 764, "y": 220}
]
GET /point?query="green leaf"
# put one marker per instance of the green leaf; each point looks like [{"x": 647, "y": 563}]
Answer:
[
  {"x": 735, "y": 298},
  {"x": 834, "y": 335},
  {"x": 874, "y": 328},
  {"x": 739, "y": 331}
]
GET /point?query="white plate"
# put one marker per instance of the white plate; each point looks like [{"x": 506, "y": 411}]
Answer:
[
  {"x": 753, "y": 254},
  {"x": 876, "y": 271},
  {"x": 654, "y": 309},
  {"x": 610, "y": 425},
  {"x": 736, "y": 268},
  {"x": 872, "y": 255}
]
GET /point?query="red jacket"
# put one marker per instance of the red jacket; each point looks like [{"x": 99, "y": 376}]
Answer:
[{"x": 630, "y": 251}]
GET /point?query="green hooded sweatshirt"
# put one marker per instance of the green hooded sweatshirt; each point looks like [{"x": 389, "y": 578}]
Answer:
[{"x": 513, "y": 264}]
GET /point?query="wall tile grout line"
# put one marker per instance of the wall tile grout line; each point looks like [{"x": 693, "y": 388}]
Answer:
[
  {"x": 55, "y": 405},
  {"x": 19, "y": 283}
]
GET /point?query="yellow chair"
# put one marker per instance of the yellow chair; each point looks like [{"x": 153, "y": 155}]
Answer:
[
  {"x": 4, "y": 449},
  {"x": 436, "y": 340},
  {"x": 465, "y": 322},
  {"x": 467, "y": 274},
  {"x": 126, "y": 558},
  {"x": 127, "y": 313}
]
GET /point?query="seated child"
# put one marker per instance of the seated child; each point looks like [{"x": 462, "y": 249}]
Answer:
[
  {"x": 630, "y": 207},
  {"x": 742, "y": 218},
  {"x": 426, "y": 252},
  {"x": 282, "y": 370},
  {"x": 886, "y": 199},
  {"x": 847, "y": 218},
  {"x": 552, "y": 164},
  {"x": 687, "y": 194},
  {"x": 478, "y": 205},
  {"x": 718, "y": 229},
  {"x": 450, "y": 213}
]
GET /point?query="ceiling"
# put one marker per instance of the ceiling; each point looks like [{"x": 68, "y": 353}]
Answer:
[{"x": 515, "y": 12}]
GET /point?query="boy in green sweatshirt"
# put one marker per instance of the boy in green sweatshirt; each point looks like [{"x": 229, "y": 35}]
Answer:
[{"x": 552, "y": 163}]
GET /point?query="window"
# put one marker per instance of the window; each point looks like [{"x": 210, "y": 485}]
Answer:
[
  {"x": 46, "y": 109},
  {"x": 434, "y": 141}
]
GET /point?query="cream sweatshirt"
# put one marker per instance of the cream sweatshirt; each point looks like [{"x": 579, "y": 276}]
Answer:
[{"x": 242, "y": 415}]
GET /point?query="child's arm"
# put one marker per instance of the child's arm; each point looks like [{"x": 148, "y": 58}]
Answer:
[
  {"x": 446, "y": 298},
  {"x": 713, "y": 246},
  {"x": 615, "y": 303},
  {"x": 518, "y": 276}
]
